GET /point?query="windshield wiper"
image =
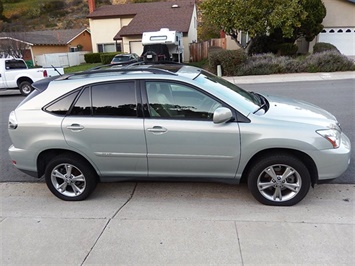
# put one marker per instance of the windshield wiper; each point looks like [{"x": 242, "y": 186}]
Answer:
[{"x": 261, "y": 102}]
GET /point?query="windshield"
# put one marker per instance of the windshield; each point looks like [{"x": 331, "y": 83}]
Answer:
[
  {"x": 121, "y": 58},
  {"x": 226, "y": 89}
]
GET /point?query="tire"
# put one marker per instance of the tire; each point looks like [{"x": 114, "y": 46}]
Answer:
[
  {"x": 279, "y": 180},
  {"x": 25, "y": 88},
  {"x": 70, "y": 178}
]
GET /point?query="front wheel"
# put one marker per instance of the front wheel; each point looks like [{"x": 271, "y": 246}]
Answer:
[
  {"x": 25, "y": 88},
  {"x": 279, "y": 180},
  {"x": 70, "y": 177}
]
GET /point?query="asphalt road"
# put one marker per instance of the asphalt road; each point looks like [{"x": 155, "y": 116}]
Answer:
[{"x": 336, "y": 96}]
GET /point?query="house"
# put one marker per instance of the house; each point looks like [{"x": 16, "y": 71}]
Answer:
[
  {"x": 120, "y": 27},
  {"x": 339, "y": 26},
  {"x": 37, "y": 43}
]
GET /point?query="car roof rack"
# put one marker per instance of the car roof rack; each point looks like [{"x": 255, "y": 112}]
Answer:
[{"x": 122, "y": 70}]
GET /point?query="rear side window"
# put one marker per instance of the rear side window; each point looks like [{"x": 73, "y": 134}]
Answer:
[
  {"x": 114, "y": 99},
  {"x": 15, "y": 64}
]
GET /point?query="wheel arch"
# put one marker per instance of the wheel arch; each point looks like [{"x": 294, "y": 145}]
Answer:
[
  {"x": 305, "y": 158},
  {"x": 46, "y": 156},
  {"x": 22, "y": 79}
]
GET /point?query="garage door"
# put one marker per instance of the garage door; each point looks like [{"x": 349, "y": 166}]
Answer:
[
  {"x": 342, "y": 38},
  {"x": 136, "y": 47}
]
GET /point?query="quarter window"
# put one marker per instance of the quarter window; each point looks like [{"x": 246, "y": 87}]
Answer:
[
  {"x": 177, "y": 101},
  {"x": 62, "y": 106}
]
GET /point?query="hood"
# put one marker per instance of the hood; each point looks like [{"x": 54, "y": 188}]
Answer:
[{"x": 283, "y": 108}]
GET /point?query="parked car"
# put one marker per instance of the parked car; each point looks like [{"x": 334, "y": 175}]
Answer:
[
  {"x": 172, "y": 122},
  {"x": 14, "y": 74},
  {"x": 125, "y": 59}
]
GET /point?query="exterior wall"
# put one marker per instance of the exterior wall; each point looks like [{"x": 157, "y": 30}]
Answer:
[
  {"x": 83, "y": 39},
  {"x": 340, "y": 13},
  {"x": 191, "y": 35},
  {"x": 48, "y": 49},
  {"x": 103, "y": 31}
]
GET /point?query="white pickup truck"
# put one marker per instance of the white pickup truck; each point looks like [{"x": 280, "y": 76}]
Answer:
[{"x": 14, "y": 74}]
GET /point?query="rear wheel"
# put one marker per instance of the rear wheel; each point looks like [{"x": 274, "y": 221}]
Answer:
[
  {"x": 25, "y": 88},
  {"x": 70, "y": 178},
  {"x": 279, "y": 180}
]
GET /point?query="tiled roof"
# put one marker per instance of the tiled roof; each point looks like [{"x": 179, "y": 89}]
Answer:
[
  {"x": 47, "y": 37},
  {"x": 149, "y": 16}
]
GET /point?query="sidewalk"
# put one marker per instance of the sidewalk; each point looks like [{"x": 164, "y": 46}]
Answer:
[
  {"x": 175, "y": 223},
  {"x": 292, "y": 77}
]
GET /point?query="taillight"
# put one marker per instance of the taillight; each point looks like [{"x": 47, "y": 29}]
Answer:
[
  {"x": 12, "y": 121},
  {"x": 45, "y": 74}
]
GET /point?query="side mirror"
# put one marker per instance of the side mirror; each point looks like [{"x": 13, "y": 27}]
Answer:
[{"x": 222, "y": 115}]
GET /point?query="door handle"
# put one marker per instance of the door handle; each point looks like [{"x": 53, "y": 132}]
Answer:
[
  {"x": 75, "y": 127},
  {"x": 157, "y": 129}
]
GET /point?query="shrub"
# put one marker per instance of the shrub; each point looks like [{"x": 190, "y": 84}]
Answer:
[
  {"x": 213, "y": 58},
  {"x": 92, "y": 58},
  {"x": 107, "y": 57},
  {"x": 328, "y": 61},
  {"x": 287, "y": 49},
  {"x": 322, "y": 47},
  {"x": 230, "y": 60}
]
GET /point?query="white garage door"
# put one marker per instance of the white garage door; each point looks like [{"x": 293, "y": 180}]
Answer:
[
  {"x": 342, "y": 38},
  {"x": 136, "y": 47}
]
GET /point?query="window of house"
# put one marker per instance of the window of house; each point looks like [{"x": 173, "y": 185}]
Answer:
[{"x": 106, "y": 47}]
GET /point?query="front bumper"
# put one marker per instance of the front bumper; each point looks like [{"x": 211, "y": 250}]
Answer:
[{"x": 333, "y": 162}]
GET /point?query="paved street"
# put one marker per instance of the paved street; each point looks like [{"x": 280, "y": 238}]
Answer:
[{"x": 175, "y": 223}]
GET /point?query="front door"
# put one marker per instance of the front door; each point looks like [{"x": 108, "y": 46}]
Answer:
[{"x": 182, "y": 140}]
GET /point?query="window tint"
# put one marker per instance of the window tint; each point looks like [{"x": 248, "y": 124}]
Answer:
[
  {"x": 114, "y": 99},
  {"x": 177, "y": 101},
  {"x": 83, "y": 104},
  {"x": 62, "y": 106}
]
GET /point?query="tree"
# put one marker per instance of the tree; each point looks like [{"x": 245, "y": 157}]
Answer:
[
  {"x": 2, "y": 17},
  {"x": 290, "y": 19}
]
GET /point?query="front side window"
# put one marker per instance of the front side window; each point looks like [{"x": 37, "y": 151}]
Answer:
[{"x": 178, "y": 101}]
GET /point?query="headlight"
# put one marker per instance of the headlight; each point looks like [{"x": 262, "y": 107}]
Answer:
[
  {"x": 12, "y": 121},
  {"x": 332, "y": 135}
]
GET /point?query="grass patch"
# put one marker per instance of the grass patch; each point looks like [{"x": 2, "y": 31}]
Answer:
[{"x": 81, "y": 67}]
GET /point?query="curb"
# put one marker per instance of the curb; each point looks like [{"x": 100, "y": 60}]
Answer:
[{"x": 292, "y": 77}]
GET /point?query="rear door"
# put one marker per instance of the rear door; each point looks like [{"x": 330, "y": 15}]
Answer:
[
  {"x": 182, "y": 140},
  {"x": 103, "y": 125}
]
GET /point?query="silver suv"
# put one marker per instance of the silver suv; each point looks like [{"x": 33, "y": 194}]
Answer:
[{"x": 172, "y": 122}]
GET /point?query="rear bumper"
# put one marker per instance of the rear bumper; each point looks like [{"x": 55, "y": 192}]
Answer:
[{"x": 23, "y": 161}]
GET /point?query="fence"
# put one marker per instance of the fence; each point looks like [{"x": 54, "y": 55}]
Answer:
[
  {"x": 60, "y": 59},
  {"x": 199, "y": 50}
]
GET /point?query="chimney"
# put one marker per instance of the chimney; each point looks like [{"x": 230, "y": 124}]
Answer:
[{"x": 91, "y": 6}]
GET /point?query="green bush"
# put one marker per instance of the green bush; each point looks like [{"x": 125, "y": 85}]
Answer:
[
  {"x": 322, "y": 47},
  {"x": 213, "y": 58},
  {"x": 29, "y": 63},
  {"x": 107, "y": 57},
  {"x": 230, "y": 60},
  {"x": 92, "y": 58},
  {"x": 328, "y": 61},
  {"x": 287, "y": 49}
]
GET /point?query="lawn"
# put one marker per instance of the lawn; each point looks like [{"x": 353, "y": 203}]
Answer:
[{"x": 81, "y": 67}]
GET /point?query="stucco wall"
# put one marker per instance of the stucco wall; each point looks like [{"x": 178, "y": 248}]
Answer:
[
  {"x": 340, "y": 13},
  {"x": 49, "y": 49},
  {"x": 103, "y": 31},
  {"x": 83, "y": 39}
]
